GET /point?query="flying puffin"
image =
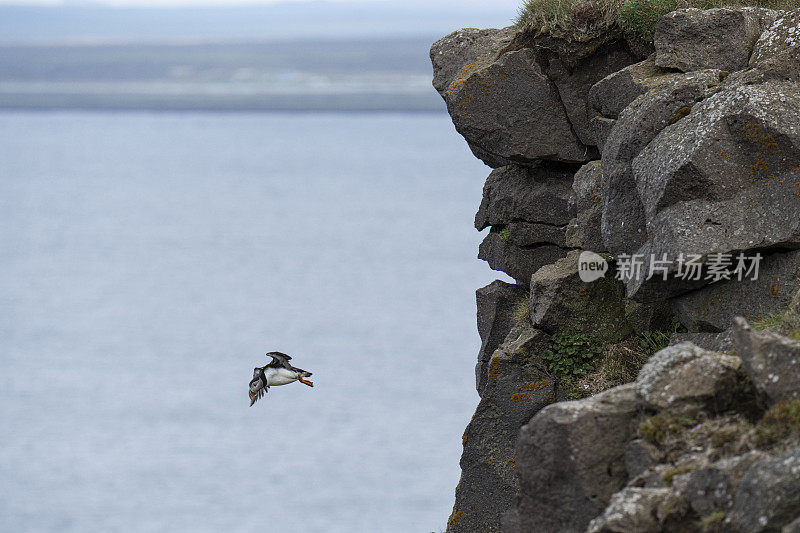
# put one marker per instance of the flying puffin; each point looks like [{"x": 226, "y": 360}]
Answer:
[{"x": 277, "y": 372}]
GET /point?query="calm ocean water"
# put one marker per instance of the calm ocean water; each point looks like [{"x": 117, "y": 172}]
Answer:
[{"x": 147, "y": 262}]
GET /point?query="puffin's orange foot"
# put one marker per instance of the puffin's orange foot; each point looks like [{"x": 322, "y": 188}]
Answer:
[{"x": 306, "y": 382}]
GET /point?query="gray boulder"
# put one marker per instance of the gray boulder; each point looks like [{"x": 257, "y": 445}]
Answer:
[
  {"x": 623, "y": 221},
  {"x": 631, "y": 510},
  {"x": 539, "y": 194},
  {"x": 495, "y": 304},
  {"x": 560, "y": 301},
  {"x": 517, "y": 388},
  {"x": 737, "y": 147},
  {"x": 722, "y": 38},
  {"x": 687, "y": 378},
  {"x": 720, "y": 180},
  {"x": 507, "y": 109},
  {"x": 570, "y": 460},
  {"x": 769, "y": 495},
  {"x": 611, "y": 95},
  {"x": 713, "y": 308},
  {"x": 772, "y": 361},
  {"x": 519, "y": 262}
]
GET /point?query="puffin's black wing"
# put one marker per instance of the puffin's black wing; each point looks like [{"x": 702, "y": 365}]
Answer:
[
  {"x": 279, "y": 360},
  {"x": 260, "y": 394}
]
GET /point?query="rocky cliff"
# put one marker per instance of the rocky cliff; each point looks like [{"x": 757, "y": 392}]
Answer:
[{"x": 641, "y": 373}]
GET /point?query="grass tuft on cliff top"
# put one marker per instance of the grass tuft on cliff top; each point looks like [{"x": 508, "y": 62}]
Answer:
[{"x": 576, "y": 17}]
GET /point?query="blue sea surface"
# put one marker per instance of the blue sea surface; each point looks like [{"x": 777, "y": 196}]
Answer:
[{"x": 147, "y": 263}]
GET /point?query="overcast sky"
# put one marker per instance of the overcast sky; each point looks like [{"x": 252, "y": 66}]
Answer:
[
  {"x": 106, "y": 21},
  {"x": 494, "y": 4}
]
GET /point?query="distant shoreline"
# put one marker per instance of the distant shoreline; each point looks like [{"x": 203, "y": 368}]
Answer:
[
  {"x": 290, "y": 104},
  {"x": 354, "y": 75}
]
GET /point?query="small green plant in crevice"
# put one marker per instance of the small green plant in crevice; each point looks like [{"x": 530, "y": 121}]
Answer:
[
  {"x": 781, "y": 421},
  {"x": 786, "y": 322},
  {"x": 522, "y": 310},
  {"x": 656, "y": 429},
  {"x": 713, "y": 522},
  {"x": 571, "y": 355},
  {"x": 505, "y": 234},
  {"x": 640, "y": 16},
  {"x": 654, "y": 341},
  {"x": 669, "y": 475}
]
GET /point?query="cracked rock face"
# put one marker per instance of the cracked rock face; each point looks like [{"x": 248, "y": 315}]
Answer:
[
  {"x": 700, "y": 152},
  {"x": 512, "y": 104},
  {"x": 573, "y": 84},
  {"x": 570, "y": 460},
  {"x": 517, "y": 387},
  {"x": 533, "y": 205},
  {"x": 623, "y": 221},
  {"x": 721, "y": 180},
  {"x": 721, "y": 38}
]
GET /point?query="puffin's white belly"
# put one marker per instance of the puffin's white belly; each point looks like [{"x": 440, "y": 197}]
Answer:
[{"x": 280, "y": 376}]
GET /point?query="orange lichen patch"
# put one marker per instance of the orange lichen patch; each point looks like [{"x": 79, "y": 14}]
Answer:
[
  {"x": 494, "y": 369},
  {"x": 775, "y": 289},
  {"x": 526, "y": 392},
  {"x": 462, "y": 77},
  {"x": 463, "y": 439},
  {"x": 490, "y": 460},
  {"x": 724, "y": 154},
  {"x": 521, "y": 397},
  {"x": 513, "y": 463},
  {"x": 533, "y": 386},
  {"x": 759, "y": 166},
  {"x": 454, "y": 518}
]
